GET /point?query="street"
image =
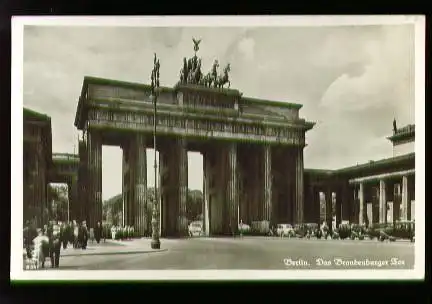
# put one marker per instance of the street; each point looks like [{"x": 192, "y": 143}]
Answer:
[{"x": 252, "y": 253}]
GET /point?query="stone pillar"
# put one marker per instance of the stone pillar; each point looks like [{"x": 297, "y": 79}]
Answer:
[
  {"x": 361, "y": 204},
  {"x": 42, "y": 180},
  {"x": 338, "y": 206},
  {"x": 206, "y": 195},
  {"x": 82, "y": 181},
  {"x": 329, "y": 208},
  {"x": 411, "y": 197},
  {"x": 382, "y": 202},
  {"x": 173, "y": 186},
  {"x": 125, "y": 186},
  {"x": 95, "y": 178},
  {"x": 141, "y": 220},
  {"x": 299, "y": 201},
  {"x": 268, "y": 179},
  {"x": 232, "y": 189},
  {"x": 182, "y": 223},
  {"x": 73, "y": 203},
  {"x": 405, "y": 198}
]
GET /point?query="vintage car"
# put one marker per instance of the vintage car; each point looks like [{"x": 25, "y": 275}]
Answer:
[
  {"x": 244, "y": 228},
  {"x": 285, "y": 230},
  {"x": 392, "y": 232},
  {"x": 195, "y": 228}
]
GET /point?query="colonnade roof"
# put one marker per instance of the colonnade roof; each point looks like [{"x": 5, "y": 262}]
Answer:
[
  {"x": 30, "y": 116},
  {"x": 65, "y": 157},
  {"x": 33, "y": 115},
  {"x": 365, "y": 167}
]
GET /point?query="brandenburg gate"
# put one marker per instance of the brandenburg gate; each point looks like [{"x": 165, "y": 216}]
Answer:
[{"x": 252, "y": 150}]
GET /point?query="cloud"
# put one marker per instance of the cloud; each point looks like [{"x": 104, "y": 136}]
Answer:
[{"x": 246, "y": 48}]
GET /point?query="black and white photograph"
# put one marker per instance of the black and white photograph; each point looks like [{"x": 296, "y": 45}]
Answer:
[{"x": 218, "y": 147}]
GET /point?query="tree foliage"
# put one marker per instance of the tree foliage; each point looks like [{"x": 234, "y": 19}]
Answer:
[
  {"x": 112, "y": 208},
  {"x": 58, "y": 199}
]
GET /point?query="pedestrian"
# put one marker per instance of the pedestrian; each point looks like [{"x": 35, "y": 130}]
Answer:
[
  {"x": 64, "y": 235},
  {"x": 38, "y": 253},
  {"x": 83, "y": 235},
  {"x": 76, "y": 229},
  {"x": 98, "y": 232},
  {"x": 241, "y": 228},
  {"x": 55, "y": 243}
]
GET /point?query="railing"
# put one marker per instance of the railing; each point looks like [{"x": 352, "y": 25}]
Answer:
[
  {"x": 406, "y": 129},
  {"x": 65, "y": 156}
]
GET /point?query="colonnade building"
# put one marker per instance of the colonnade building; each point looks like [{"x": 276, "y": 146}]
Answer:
[{"x": 379, "y": 191}]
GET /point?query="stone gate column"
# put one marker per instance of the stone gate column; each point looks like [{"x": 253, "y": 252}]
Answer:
[
  {"x": 216, "y": 177},
  {"x": 124, "y": 186},
  {"x": 405, "y": 198},
  {"x": 42, "y": 180},
  {"x": 74, "y": 203},
  {"x": 182, "y": 225},
  {"x": 382, "y": 202},
  {"x": 329, "y": 207},
  {"x": 141, "y": 220},
  {"x": 232, "y": 189},
  {"x": 299, "y": 202},
  {"x": 361, "y": 203},
  {"x": 206, "y": 194},
  {"x": 268, "y": 185},
  {"x": 95, "y": 178}
]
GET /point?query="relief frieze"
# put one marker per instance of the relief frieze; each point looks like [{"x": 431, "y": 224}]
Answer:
[{"x": 172, "y": 122}]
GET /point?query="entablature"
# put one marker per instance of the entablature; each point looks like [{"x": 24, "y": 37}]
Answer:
[
  {"x": 181, "y": 125},
  {"x": 184, "y": 98}
]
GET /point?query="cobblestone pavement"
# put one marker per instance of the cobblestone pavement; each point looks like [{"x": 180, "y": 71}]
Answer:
[{"x": 263, "y": 253}]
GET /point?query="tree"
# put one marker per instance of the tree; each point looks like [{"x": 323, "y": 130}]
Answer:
[
  {"x": 58, "y": 198},
  {"x": 112, "y": 209},
  {"x": 194, "y": 204}
]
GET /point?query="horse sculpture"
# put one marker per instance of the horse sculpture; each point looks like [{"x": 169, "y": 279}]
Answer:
[
  {"x": 196, "y": 74},
  {"x": 184, "y": 72},
  {"x": 224, "y": 79}
]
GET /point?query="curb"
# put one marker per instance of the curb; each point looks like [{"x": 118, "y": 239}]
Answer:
[{"x": 113, "y": 253}]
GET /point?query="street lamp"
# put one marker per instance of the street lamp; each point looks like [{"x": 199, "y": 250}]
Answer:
[{"x": 155, "y": 242}]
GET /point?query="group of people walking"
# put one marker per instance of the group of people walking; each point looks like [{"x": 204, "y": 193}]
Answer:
[{"x": 48, "y": 241}]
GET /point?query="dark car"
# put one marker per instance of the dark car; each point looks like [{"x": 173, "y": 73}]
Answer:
[{"x": 404, "y": 230}]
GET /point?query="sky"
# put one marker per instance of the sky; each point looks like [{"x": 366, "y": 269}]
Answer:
[{"x": 352, "y": 80}]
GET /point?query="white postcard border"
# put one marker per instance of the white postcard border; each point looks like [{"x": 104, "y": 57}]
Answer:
[{"x": 17, "y": 272}]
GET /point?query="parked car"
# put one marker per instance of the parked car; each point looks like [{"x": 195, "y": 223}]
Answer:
[
  {"x": 283, "y": 230},
  {"x": 312, "y": 229},
  {"x": 400, "y": 230},
  {"x": 195, "y": 228},
  {"x": 260, "y": 228},
  {"x": 244, "y": 228}
]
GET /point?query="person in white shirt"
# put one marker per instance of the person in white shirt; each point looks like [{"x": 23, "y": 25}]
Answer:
[{"x": 38, "y": 255}]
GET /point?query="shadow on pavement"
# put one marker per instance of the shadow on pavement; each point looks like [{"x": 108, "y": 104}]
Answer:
[{"x": 112, "y": 253}]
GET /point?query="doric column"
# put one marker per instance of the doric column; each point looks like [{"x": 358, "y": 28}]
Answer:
[
  {"x": 299, "y": 201},
  {"x": 405, "y": 198},
  {"x": 206, "y": 195},
  {"x": 95, "y": 178},
  {"x": 124, "y": 187},
  {"x": 182, "y": 225},
  {"x": 268, "y": 178},
  {"x": 361, "y": 204},
  {"x": 233, "y": 187},
  {"x": 74, "y": 203},
  {"x": 329, "y": 207},
  {"x": 141, "y": 220},
  {"x": 382, "y": 202}
]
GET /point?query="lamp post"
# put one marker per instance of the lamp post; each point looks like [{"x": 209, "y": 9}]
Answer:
[{"x": 155, "y": 242}]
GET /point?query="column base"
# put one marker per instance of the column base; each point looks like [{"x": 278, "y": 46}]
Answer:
[{"x": 155, "y": 244}]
